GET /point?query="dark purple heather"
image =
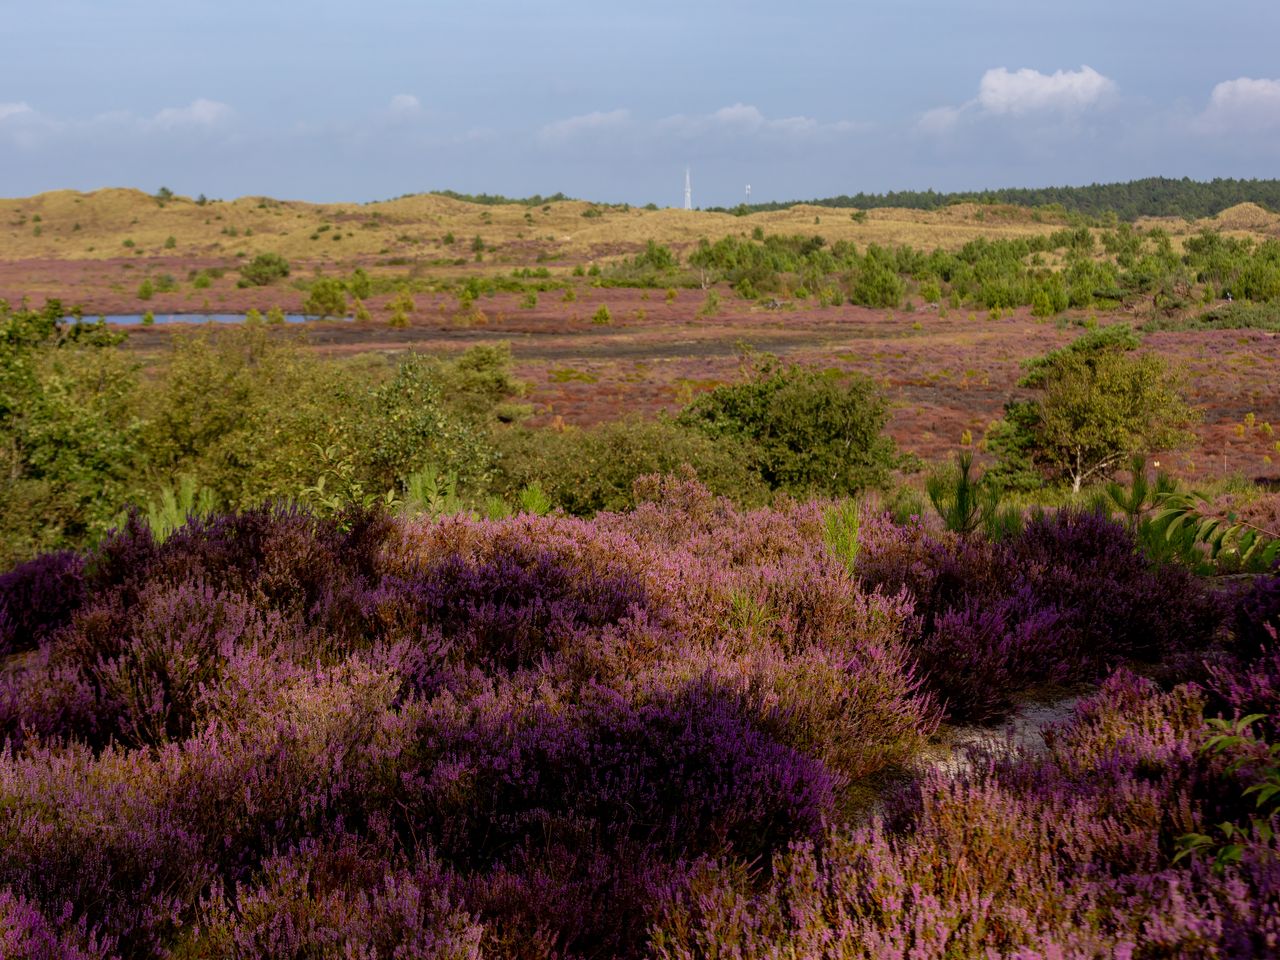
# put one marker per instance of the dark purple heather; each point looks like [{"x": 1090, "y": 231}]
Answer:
[{"x": 650, "y": 734}]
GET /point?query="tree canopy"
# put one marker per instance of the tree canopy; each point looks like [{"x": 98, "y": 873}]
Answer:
[{"x": 1099, "y": 402}]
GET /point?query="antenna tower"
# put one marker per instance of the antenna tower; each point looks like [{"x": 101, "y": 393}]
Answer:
[
  {"x": 748, "y": 194},
  {"x": 688, "y": 190}
]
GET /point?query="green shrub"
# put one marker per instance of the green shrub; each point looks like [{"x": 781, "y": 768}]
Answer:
[
  {"x": 264, "y": 270},
  {"x": 327, "y": 298},
  {"x": 807, "y": 430},
  {"x": 359, "y": 285},
  {"x": 585, "y": 471}
]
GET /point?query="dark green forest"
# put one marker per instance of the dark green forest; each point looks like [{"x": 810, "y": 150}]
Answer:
[{"x": 1149, "y": 197}]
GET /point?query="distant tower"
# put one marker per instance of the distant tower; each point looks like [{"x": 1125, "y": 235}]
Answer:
[
  {"x": 748, "y": 194},
  {"x": 688, "y": 190}
]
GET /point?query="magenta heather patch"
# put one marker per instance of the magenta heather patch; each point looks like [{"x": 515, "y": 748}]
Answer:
[{"x": 659, "y": 732}]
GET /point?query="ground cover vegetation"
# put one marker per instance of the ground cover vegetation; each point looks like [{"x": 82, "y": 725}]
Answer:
[
  {"x": 336, "y": 656},
  {"x": 243, "y": 416},
  {"x": 682, "y": 730},
  {"x": 1123, "y": 266}
]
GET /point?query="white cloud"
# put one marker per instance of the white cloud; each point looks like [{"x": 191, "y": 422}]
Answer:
[
  {"x": 198, "y": 113},
  {"x": 586, "y": 123},
  {"x": 404, "y": 105},
  {"x": 1025, "y": 91},
  {"x": 939, "y": 120},
  {"x": 744, "y": 119},
  {"x": 1243, "y": 104},
  {"x": 1014, "y": 93},
  {"x": 15, "y": 111}
]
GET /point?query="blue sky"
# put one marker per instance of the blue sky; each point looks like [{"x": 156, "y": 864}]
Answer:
[{"x": 324, "y": 100}]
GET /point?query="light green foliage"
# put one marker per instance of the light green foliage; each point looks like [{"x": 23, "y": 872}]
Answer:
[
  {"x": 655, "y": 266},
  {"x": 327, "y": 298},
  {"x": 602, "y": 315},
  {"x": 69, "y": 431},
  {"x": 146, "y": 289},
  {"x": 965, "y": 502},
  {"x": 428, "y": 491},
  {"x": 359, "y": 285},
  {"x": 258, "y": 419},
  {"x": 533, "y": 499},
  {"x": 841, "y": 525},
  {"x": 1099, "y": 402},
  {"x": 174, "y": 507},
  {"x": 402, "y": 308},
  {"x": 1141, "y": 495},
  {"x": 585, "y": 471},
  {"x": 807, "y": 430},
  {"x": 1224, "y": 537}
]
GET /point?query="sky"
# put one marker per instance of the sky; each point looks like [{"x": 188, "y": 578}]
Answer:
[{"x": 355, "y": 101}]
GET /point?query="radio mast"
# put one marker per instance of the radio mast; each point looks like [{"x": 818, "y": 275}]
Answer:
[{"x": 688, "y": 190}]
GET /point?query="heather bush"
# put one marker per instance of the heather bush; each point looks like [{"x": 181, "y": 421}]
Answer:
[
  {"x": 1257, "y": 616},
  {"x": 1068, "y": 598},
  {"x": 38, "y": 597},
  {"x": 517, "y": 603},
  {"x": 26, "y": 934},
  {"x": 666, "y": 730},
  {"x": 1066, "y": 856},
  {"x": 313, "y": 904}
]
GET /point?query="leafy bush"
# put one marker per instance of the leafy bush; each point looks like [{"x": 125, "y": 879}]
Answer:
[
  {"x": 326, "y": 298},
  {"x": 806, "y": 430},
  {"x": 264, "y": 270},
  {"x": 586, "y": 471}
]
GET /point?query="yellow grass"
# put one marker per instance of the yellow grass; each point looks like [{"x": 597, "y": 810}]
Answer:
[{"x": 97, "y": 225}]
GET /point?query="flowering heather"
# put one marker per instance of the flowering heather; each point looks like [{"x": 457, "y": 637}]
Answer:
[
  {"x": 1068, "y": 599},
  {"x": 1065, "y": 856},
  {"x": 652, "y": 733},
  {"x": 37, "y": 598}
]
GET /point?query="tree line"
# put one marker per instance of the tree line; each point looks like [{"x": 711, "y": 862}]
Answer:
[{"x": 1148, "y": 197}]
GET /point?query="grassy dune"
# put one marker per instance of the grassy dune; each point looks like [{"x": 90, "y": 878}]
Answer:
[{"x": 103, "y": 224}]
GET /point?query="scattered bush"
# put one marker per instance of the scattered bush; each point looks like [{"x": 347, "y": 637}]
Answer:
[
  {"x": 806, "y": 429},
  {"x": 264, "y": 270}
]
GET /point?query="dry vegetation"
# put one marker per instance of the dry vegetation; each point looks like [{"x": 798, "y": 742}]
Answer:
[{"x": 96, "y": 226}]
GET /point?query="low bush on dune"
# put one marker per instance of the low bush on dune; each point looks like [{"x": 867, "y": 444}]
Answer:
[{"x": 274, "y": 734}]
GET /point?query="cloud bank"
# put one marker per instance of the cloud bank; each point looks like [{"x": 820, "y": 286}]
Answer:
[
  {"x": 1244, "y": 104},
  {"x": 1019, "y": 93}
]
